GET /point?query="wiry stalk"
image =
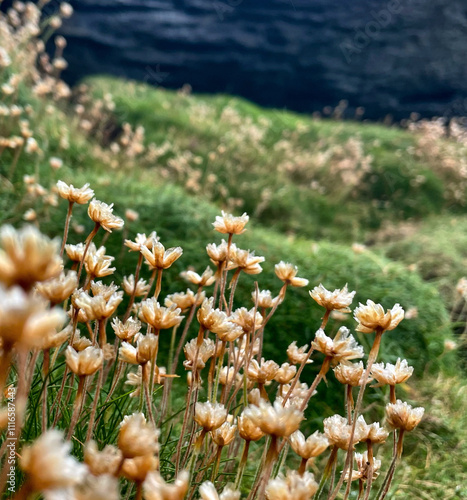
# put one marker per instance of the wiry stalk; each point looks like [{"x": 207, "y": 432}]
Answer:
[{"x": 67, "y": 227}]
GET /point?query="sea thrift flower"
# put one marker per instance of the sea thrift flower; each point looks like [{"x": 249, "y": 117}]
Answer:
[
  {"x": 98, "y": 265},
  {"x": 208, "y": 491},
  {"x": 103, "y": 487},
  {"x": 247, "y": 429},
  {"x": 106, "y": 461},
  {"x": 76, "y": 252},
  {"x": 224, "y": 434},
  {"x": 402, "y": 416},
  {"x": 27, "y": 256},
  {"x": 392, "y": 374},
  {"x": 248, "y": 320},
  {"x": 184, "y": 300},
  {"x": 293, "y": 485},
  {"x": 288, "y": 274},
  {"x": 210, "y": 416},
  {"x": 127, "y": 330},
  {"x": 85, "y": 362},
  {"x": 142, "y": 240},
  {"x": 58, "y": 289},
  {"x": 274, "y": 420},
  {"x": 338, "y": 300},
  {"x": 159, "y": 317},
  {"x": 137, "y": 468},
  {"x": 363, "y": 467},
  {"x": 158, "y": 257},
  {"x": 97, "y": 307},
  {"x": 137, "y": 437},
  {"x": 372, "y": 317},
  {"x": 285, "y": 373},
  {"x": 247, "y": 261},
  {"x": 218, "y": 253},
  {"x": 342, "y": 348},
  {"x": 49, "y": 465},
  {"x": 311, "y": 447},
  {"x": 206, "y": 279},
  {"x": 375, "y": 433},
  {"x": 217, "y": 321},
  {"x": 264, "y": 372},
  {"x": 350, "y": 374},
  {"x": 142, "y": 287},
  {"x": 297, "y": 355},
  {"x": 155, "y": 488},
  {"x": 228, "y": 224},
  {"x": 338, "y": 430},
  {"x": 265, "y": 299},
  {"x": 102, "y": 214},
  {"x": 202, "y": 354}
]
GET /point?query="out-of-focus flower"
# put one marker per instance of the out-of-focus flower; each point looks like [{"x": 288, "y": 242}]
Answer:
[
  {"x": 102, "y": 462},
  {"x": 293, "y": 485},
  {"x": 155, "y": 488},
  {"x": 137, "y": 437},
  {"x": 206, "y": 279},
  {"x": 274, "y": 420},
  {"x": 58, "y": 289}
]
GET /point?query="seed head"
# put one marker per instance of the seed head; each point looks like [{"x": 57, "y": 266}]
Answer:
[
  {"x": 338, "y": 300},
  {"x": 137, "y": 437},
  {"x": 75, "y": 195},
  {"x": 102, "y": 214},
  {"x": 288, "y": 274},
  {"x": 311, "y": 447},
  {"x": 210, "y": 416},
  {"x": 392, "y": 374},
  {"x": 274, "y": 420},
  {"x": 402, "y": 416},
  {"x": 228, "y": 224},
  {"x": 372, "y": 317},
  {"x": 85, "y": 362},
  {"x": 146, "y": 347}
]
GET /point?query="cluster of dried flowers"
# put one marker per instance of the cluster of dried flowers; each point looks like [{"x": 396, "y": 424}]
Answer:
[{"x": 56, "y": 320}]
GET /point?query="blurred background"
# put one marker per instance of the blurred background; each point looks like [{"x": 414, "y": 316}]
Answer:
[{"x": 391, "y": 57}]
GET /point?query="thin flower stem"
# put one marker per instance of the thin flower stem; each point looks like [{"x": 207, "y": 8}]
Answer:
[
  {"x": 185, "y": 421},
  {"x": 241, "y": 467},
  {"x": 133, "y": 295},
  {"x": 95, "y": 404},
  {"x": 45, "y": 371},
  {"x": 327, "y": 471},
  {"x": 158, "y": 284},
  {"x": 233, "y": 286},
  {"x": 86, "y": 248},
  {"x": 77, "y": 406},
  {"x": 390, "y": 474},
  {"x": 67, "y": 226},
  {"x": 349, "y": 458}
]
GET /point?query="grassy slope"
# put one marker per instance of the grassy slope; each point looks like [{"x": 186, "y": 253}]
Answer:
[{"x": 185, "y": 220}]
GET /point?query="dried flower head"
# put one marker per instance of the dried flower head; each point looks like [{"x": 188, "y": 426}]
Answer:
[
  {"x": 185, "y": 300},
  {"x": 338, "y": 300},
  {"x": 206, "y": 279},
  {"x": 350, "y": 373},
  {"x": 126, "y": 331},
  {"x": 201, "y": 354},
  {"x": 58, "y": 289},
  {"x": 210, "y": 416},
  {"x": 50, "y": 466},
  {"x": 297, "y": 355},
  {"x": 159, "y": 317},
  {"x": 401, "y": 415},
  {"x": 218, "y": 253},
  {"x": 285, "y": 374},
  {"x": 97, "y": 307},
  {"x": 137, "y": 468},
  {"x": 248, "y": 320},
  {"x": 264, "y": 372},
  {"x": 142, "y": 240},
  {"x": 85, "y": 362},
  {"x": 137, "y": 437},
  {"x": 293, "y": 485},
  {"x": 141, "y": 288},
  {"x": 265, "y": 299},
  {"x": 217, "y": 321},
  {"x": 247, "y": 429},
  {"x": 27, "y": 256},
  {"x": 308, "y": 448},
  {"x": 155, "y": 488},
  {"x": 208, "y": 491},
  {"x": 75, "y": 195},
  {"x": 375, "y": 433},
  {"x": 228, "y": 224},
  {"x": 338, "y": 431},
  {"x": 287, "y": 273},
  {"x": 392, "y": 374},
  {"x": 97, "y": 264},
  {"x": 157, "y": 257},
  {"x": 102, "y": 214},
  {"x": 274, "y": 420},
  {"x": 247, "y": 261},
  {"x": 106, "y": 461},
  {"x": 342, "y": 348},
  {"x": 363, "y": 468},
  {"x": 371, "y": 317},
  {"x": 76, "y": 252},
  {"x": 224, "y": 434}
]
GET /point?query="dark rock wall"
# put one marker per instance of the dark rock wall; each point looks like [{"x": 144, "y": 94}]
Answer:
[{"x": 396, "y": 56}]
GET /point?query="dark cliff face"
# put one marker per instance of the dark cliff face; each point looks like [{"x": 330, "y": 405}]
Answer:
[{"x": 396, "y": 56}]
